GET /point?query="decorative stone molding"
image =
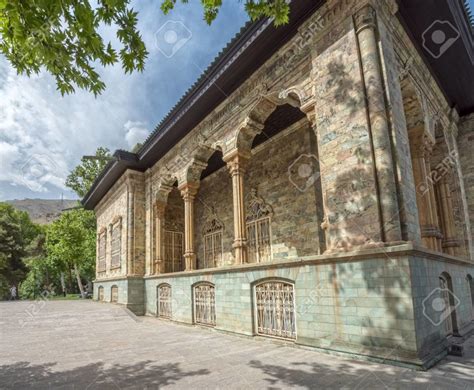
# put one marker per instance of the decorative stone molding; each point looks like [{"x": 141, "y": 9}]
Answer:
[
  {"x": 365, "y": 18},
  {"x": 190, "y": 175},
  {"x": 212, "y": 224},
  {"x": 257, "y": 207},
  {"x": 188, "y": 192}
]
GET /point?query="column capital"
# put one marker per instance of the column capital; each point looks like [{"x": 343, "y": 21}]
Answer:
[
  {"x": 236, "y": 161},
  {"x": 189, "y": 190},
  {"x": 365, "y": 18}
]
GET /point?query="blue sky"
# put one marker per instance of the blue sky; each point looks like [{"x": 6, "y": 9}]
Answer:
[{"x": 44, "y": 135}]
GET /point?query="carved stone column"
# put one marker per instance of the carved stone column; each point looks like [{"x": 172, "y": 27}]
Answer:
[
  {"x": 421, "y": 147},
  {"x": 188, "y": 192},
  {"x": 434, "y": 208},
  {"x": 445, "y": 206},
  {"x": 236, "y": 163},
  {"x": 159, "y": 215},
  {"x": 366, "y": 30},
  {"x": 130, "y": 228}
]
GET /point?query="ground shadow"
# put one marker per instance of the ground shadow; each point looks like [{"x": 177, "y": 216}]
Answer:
[{"x": 23, "y": 375}]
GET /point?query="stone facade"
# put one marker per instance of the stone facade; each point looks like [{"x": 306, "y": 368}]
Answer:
[{"x": 361, "y": 205}]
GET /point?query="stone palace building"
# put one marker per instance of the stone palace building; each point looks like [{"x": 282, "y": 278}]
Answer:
[{"x": 315, "y": 185}]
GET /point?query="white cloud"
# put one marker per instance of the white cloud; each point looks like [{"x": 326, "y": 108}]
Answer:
[
  {"x": 44, "y": 135},
  {"x": 136, "y": 132}
]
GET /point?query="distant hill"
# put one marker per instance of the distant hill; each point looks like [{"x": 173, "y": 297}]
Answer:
[{"x": 42, "y": 211}]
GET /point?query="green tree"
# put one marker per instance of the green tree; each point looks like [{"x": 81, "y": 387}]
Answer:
[
  {"x": 82, "y": 177},
  {"x": 62, "y": 36},
  {"x": 16, "y": 233},
  {"x": 70, "y": 243},
  {"x": 279, "y": 10}
]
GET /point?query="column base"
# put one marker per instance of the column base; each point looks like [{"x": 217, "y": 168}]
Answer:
[
  {"x": 240, "y": 251},
  {"x": 189, "y": 261}
]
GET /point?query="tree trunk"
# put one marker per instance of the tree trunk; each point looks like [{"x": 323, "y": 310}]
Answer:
[
  {"x": 79, "y": 282},
  {"x": 71, "y": 287},
  {"x": 63, "y": 284}
]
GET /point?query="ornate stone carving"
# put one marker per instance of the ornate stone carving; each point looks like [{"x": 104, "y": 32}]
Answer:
[
  {"x": 212, "y": 224},
  {"x": 365, "y": 18},
  {"x": 257, "y": 207}
]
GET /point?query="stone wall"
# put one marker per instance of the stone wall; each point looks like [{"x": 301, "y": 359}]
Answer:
[
  {"x": 361, "y": 307},
  {"x": 116, "y": 207},
  {"x": 125, "y": 200},
  {"x": 465, "y": 144},
  {"x": 429, "y": 318},
  {"x": 294, "y": 223},
  {"x": 131, "y": 293}
]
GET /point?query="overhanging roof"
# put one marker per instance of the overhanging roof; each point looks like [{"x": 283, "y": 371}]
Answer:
[{"x": 255, "y": 44}]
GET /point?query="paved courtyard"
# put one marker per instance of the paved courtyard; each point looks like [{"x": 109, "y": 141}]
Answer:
[{"x": 88, "y": 345}]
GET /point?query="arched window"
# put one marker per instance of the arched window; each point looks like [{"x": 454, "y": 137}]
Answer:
[
  {"x": 448, "y": 313},
  {"x": 101, "y": 294},
  {"x": 259, "y": 232},
  {"x": 164, "y": 301},
  {"x": 275, "y": 309},
  {"x": 204, "y": 298},
  {"x": 470, "y": 283},
  {"x": 116, "y": 243},
  {"x": 213, "y": 247},
  {"x": 114, "y": 294},
  {"x": 174, "y": 251},
  {"x": 102, "y": 250}
]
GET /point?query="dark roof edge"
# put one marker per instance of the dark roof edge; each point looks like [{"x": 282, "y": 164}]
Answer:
[
  {"x": 223, "y": 59},
  {"x": 121, "y": 158},
  {"x": 461, "y": 16}
]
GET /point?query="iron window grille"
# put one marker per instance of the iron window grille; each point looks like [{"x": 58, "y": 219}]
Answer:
[
  {"x": 174, "y": 251},
  {"x": 164, "y": 301},
  {"x": 204, "y": 304},
  {"x": 275, "y": 309}
]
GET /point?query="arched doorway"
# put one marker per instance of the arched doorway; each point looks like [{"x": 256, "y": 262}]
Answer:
[
  {"x": 448, "y": 312},
  {"x": 100, "y": 294},
  {"x": 470, "y": 283},
  {"x": 275, "y": 312},
  {"x": 114, "y": 294}
]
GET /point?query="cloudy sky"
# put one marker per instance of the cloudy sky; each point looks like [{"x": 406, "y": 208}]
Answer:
[{"x": 43, "y": 135}]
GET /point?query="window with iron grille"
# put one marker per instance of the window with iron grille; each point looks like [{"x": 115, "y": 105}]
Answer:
[
  {"x": 259, "y": 240},
  {"x": 174, "y": 244},
  {"x": 275, "y": 309},
  {"x": 114, "y": 294},
  {"x": 259, "y": 235},
  {"x": 116, "y": 246},
  {"x": 204, "y": 304},
  {"x": 102, "y": 251},
  {"x": 164, "y": 301},
  {"x": 212, "y": 249}
]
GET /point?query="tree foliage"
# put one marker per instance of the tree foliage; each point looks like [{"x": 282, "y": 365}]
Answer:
[
  {"x": 82, "y": 177},
  {"x": 70, "y": 242},
  {"x": 279, "y": 10},
  {"x": 16, "y": 234},
  {"x": 62, "y": 37}
]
